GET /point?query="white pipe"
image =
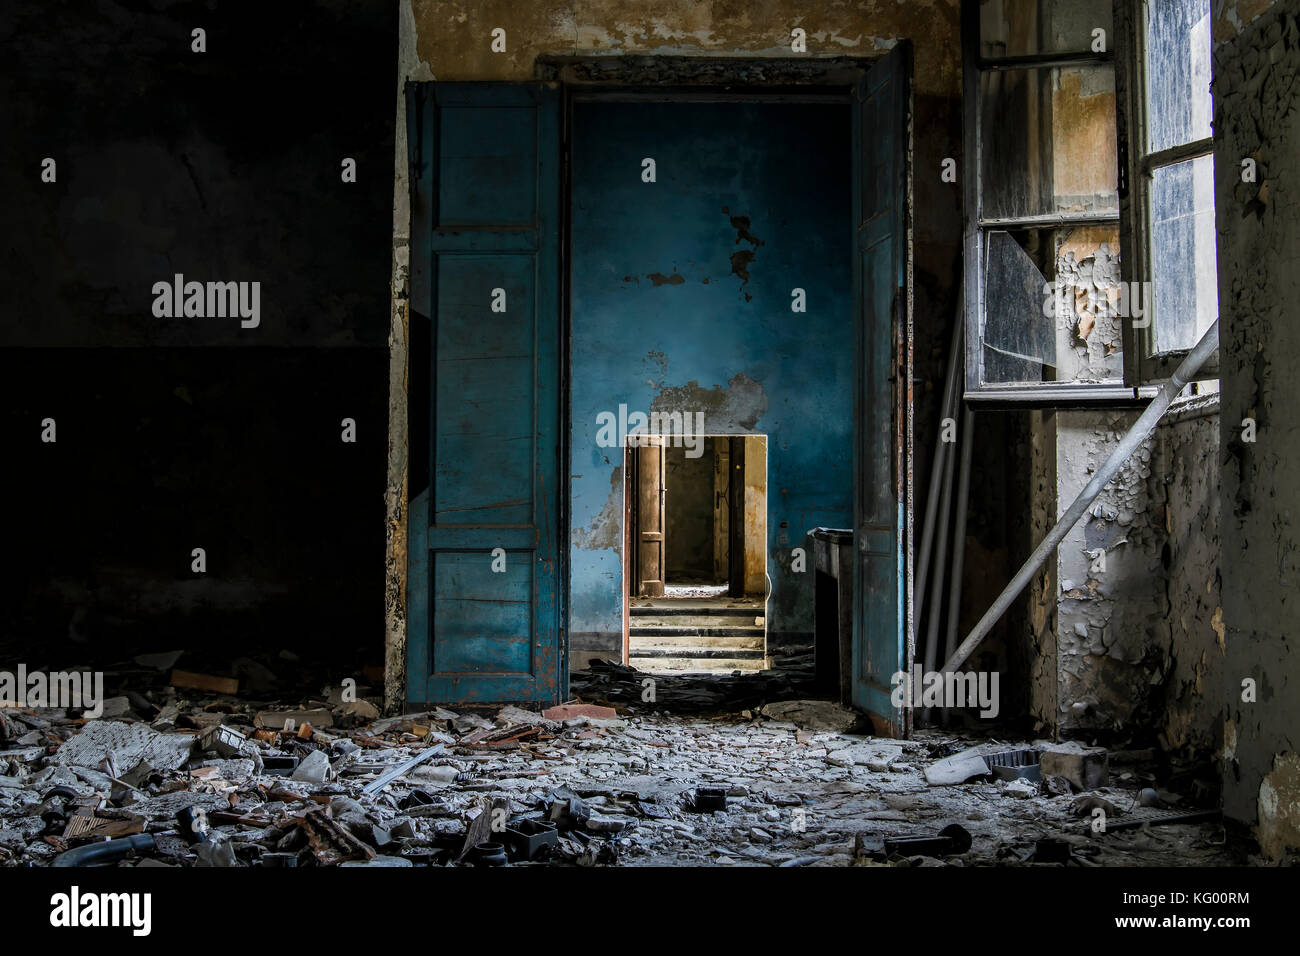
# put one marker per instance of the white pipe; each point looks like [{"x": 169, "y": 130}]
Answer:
[
  {"x": 959, "y": 530},
  {"x": 936, "y": 470}
]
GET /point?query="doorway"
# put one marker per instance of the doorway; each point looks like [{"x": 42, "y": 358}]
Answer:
[
  {"x": 695, "y": 580},
  {"x": 584, "y": 256}
]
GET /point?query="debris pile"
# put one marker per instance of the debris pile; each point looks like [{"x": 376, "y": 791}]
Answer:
[{"x": 178, "y": 778}]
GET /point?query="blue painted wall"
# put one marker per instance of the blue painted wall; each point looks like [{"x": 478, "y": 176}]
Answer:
[{"x": 680, "y": 305}]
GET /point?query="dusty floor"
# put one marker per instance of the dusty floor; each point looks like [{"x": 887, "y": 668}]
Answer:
[{"x": 802, "y": 788}]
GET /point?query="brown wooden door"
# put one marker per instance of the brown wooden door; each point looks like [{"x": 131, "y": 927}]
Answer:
[{"x": 651, "y": 494}]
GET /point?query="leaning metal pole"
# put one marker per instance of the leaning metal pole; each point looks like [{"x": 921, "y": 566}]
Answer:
[
  {"x": 936, "y": 469},
  {"x": 1143, "y": 427}
]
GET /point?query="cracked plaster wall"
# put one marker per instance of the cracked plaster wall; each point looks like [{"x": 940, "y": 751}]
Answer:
[
  {"x": 1257, "y": 116},
  {"x": 1125, "y": 619}
]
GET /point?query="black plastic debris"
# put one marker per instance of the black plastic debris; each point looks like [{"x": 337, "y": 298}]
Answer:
[
  {"x": 489, "y": 853},
  {"x": 1051, "y": 850},
  {"x": 1015, "y": 764},
  {"x": 106, "y": 853},
  {"x": 530, "y": 838},
  {"x": 416, "y": 798},
  {"x": 709, "y": 799},
  {"x": 279, "y": 766},
  {"x": 952, "y": 839}
]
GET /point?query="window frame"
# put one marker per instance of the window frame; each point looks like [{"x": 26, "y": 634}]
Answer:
[
  {"x": 1143, "y": 365},
  {"x": 977, "y": 229}
]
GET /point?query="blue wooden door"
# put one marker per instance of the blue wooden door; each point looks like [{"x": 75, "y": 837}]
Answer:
[
  {"x": 484, "y": 596},
  {"x": 882, "y": 405}
]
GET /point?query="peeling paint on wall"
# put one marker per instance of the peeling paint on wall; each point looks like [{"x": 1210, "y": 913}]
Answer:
[
  {"x": 1185, "y": 495},
  {"x": 658, "y": 278},
  {"x": 1279, "y": 807},
  {"x": 728, "y": 410},
  {"x": 409, "y": 68},
  {"x": 1088, "y": 332},
  {"x": 605, "y": 529},
  {"x": 1128, "y": 635},
  {"x": 1230, "y": 16}
]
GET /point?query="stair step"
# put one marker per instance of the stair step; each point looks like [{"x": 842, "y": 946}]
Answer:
[
  {"x": 696, "y": 653},
  {"x": 748, "y": 619},
  {"x": 655, "y": 610},
  {"x": 749, "y": 642},
  {"x": 674, "y": 631},
  {"x": 696, "y": 665},
  {"x": 654, "y": 648},
  {"x": 693, "y": 620}
]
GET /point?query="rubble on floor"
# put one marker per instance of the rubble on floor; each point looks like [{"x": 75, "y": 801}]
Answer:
[{"x": 608, "y": 778}]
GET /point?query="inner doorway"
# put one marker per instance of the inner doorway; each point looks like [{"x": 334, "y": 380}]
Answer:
[{"x": 696, "y": 583}]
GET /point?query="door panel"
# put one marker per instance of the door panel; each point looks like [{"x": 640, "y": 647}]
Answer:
[
  {"x": 484, "y": 594},
  {"x": 882, "y": 407},
  {"x": 721, "y": 448},
  {"x": 651, "y": 499}
]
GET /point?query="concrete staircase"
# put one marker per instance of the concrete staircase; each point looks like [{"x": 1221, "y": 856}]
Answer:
[{"x": 708, "y": 635}]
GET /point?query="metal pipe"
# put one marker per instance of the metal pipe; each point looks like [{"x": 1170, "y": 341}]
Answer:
[
  {"x": 936, "y": 470},
  {"x": 940, "y": 557},
  {"x": 109, "y": 851},
  {"x": 959, "y": 533},
  {"x": 403, "y": 768},
  {"x": 1143, "y": 427}
]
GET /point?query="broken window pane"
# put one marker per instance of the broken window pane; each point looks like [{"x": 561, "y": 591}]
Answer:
[
  {"x": 1048, "y": 142},
  {"x": 1026, "y": 27},
  {"x": 1179, "y": 106},
  {"x": 1183, "y": 263},
  {"x": 1052, "y": 301},
  {"x": 1016, "y": 330}
]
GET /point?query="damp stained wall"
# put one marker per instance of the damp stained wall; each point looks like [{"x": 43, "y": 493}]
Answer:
[
  {"x": 1188, "y": 700},
  {"x": 1257, "y": 116},
  {"x": 681, "y": 302}
]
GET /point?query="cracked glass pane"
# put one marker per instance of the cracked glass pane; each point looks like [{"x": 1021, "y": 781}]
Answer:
[
  {"x": 1183, "y": 263},
  {"x": 1179, "y": 106},
  {"x": 1052, "y": 300},
  {"x": 1019, "y": 339}
]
